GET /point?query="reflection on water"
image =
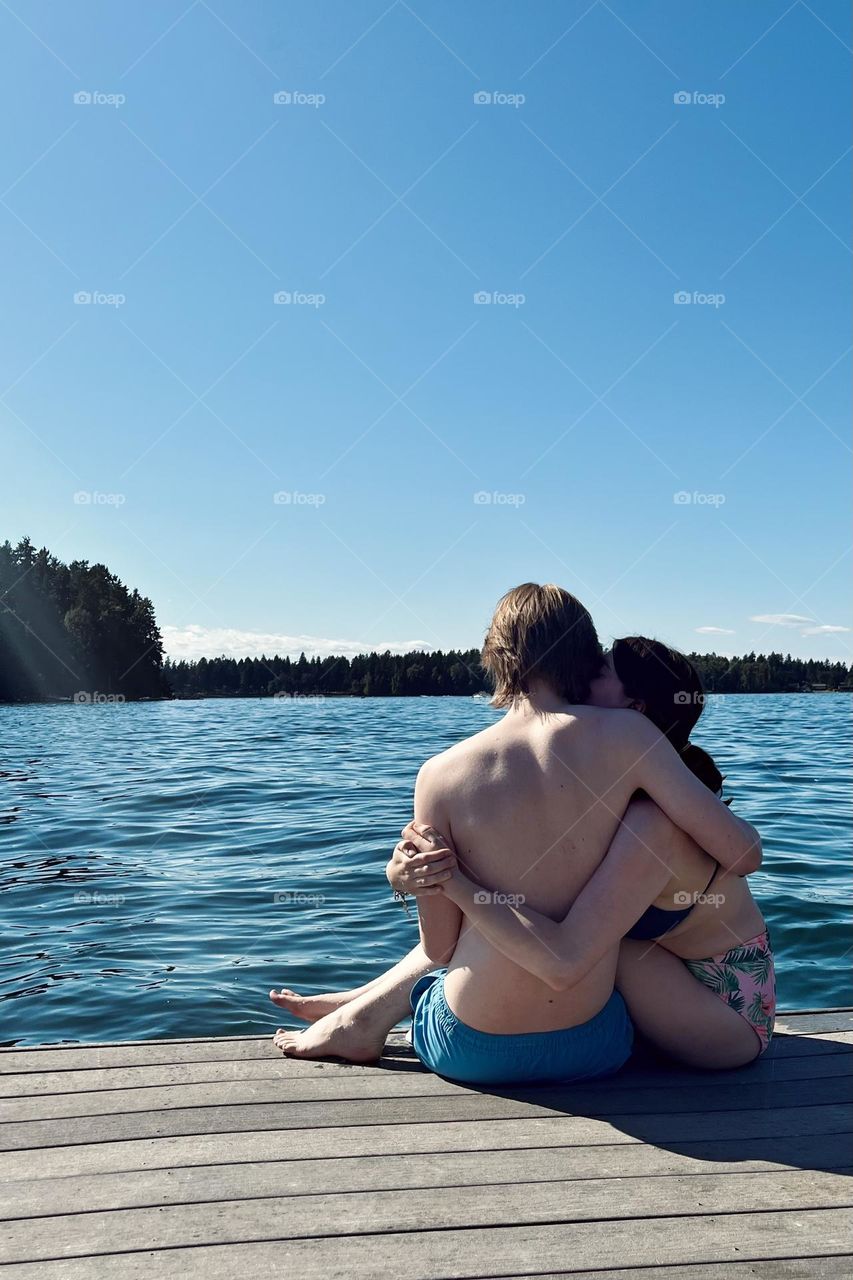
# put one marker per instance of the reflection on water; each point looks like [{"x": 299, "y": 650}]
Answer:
[{"x": 165, "y": 864}]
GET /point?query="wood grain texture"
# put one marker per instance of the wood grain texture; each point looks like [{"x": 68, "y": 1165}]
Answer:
[{"x": 218, "y": 1158}]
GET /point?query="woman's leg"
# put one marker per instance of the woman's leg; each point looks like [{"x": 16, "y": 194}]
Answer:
[
  {"x": 678, "y": 1013},
  {"x": 358, "y": 1029},
  {"x": 311, "y": 1008}
]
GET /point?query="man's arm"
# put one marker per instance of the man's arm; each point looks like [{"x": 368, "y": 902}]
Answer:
[
  {"x": 658, "y": 770},
  {"x": 439, "y": 919}
]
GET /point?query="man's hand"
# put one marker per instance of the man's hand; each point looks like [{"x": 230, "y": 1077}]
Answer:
[{"x": 422, "y": 861}]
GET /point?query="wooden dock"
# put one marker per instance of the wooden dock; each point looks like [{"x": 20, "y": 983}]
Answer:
[{"x": 217, "y": 1158}]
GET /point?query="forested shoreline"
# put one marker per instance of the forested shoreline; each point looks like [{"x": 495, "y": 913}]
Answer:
[
  {"x": 458, "y": 672},
  {"x": 70, "y": 631},
  {"x": 76, "y": 633}
]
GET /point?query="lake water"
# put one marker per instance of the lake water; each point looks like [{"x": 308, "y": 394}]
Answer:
[{"x": 165, "y": 864}]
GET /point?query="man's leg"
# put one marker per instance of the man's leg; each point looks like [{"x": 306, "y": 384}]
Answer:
[
  {"x": 358, "y": 1029},
  {"x": 311, "y": 1008}
]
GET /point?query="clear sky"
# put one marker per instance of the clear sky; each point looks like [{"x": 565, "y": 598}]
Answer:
[{"x": 682, "y": 466}]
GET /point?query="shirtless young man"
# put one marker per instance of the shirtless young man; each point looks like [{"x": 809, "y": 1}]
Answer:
[{"x": 532, "y": 804}]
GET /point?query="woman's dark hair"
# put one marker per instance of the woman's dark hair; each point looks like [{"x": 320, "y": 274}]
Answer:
[
  {"x": 700, "y": 763},
  {"x": 669, "y": 685}
]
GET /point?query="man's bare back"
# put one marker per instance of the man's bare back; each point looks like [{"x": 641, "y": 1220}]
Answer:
[{"x": 532, "y": 804}]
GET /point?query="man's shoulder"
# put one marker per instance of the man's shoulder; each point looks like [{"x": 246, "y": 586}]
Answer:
[
  {"x": 616, "y": 724},
  {"x": 624, "y": 725},
  {"x": 436, "y": 784},
  {"x": 587, "y": 716},
  {"x": 454, "y": 760},
  {"x": 452, "y": 755}
]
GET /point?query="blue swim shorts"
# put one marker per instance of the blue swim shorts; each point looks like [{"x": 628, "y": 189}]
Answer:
[{"x": 452, "y": 1049}]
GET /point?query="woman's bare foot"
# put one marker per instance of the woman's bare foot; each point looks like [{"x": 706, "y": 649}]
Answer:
[
  {"x": 334, "y": 1036},
  {"x": 311, "y": 1008}
]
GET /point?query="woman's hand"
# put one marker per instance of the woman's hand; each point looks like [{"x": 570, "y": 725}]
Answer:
[{"x": 422, "y": 861}]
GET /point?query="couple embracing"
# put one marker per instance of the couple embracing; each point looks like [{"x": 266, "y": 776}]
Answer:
[{"x": 577, "y": 876}]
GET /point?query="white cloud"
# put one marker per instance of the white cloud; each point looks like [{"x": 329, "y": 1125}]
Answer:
[
  {"x": 714, "y": 631},
  {"x": 211, "y": 642},
  {"x": 781, "y": 619},
  {"x": 805, "y": 626}
]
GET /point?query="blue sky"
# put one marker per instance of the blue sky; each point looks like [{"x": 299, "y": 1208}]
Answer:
[{"x": 371, "y": 460}]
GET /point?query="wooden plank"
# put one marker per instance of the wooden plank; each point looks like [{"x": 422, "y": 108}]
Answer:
[
  {"x": 737, "y": 1129},
  {"x": 231, "y": 1048},
  {"x": 350, "y": 1110},
  {"x": 779, "y": 1269},
  {"x": 39, "y": 1196},
  {"x": 270, "y": 1067},
  {"x": 412, "y": 1098},
  {"x": 799, "y": 1065},
  {"x": 235, "y": 1221},
  {"x": 480, "y": 1252},
  {"x": 72, "y": 1057},
  {"x": 397, "y": 1058},
  {"x": 816, "y": 1022},
  {"x": 273, "y": 1091}
]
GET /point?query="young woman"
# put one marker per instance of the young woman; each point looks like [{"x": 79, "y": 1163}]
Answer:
[{"x": 695, "y": 967}]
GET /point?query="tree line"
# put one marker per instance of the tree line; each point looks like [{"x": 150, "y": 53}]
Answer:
[
  {"x": 73, "y": 631},
  {"x": 390, "y": 675},
  {"x": 459, "y": 672},
  {"x": 770, "y": 673},
  {"x": 76, "y": 632}
]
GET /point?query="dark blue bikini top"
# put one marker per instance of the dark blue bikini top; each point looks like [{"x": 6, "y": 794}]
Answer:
[{"x": 655, "y": 921}]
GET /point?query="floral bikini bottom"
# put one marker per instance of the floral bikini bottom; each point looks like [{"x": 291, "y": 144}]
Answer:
[{"x": 744, "y": 978}]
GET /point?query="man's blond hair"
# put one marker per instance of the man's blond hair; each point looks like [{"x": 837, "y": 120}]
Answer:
[{"x": 541, "y": 633}]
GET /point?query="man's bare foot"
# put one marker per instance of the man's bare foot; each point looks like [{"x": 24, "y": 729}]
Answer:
[
  {"x": 310, "y": 1008},
  {"x": 334, "y": 1036}
]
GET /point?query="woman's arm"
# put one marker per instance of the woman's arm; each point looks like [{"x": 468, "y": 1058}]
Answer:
[
  {"x": 439, "y": 918},
  {"x": 559, "y": 953},
  {"x": 658, "y": 770}
]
